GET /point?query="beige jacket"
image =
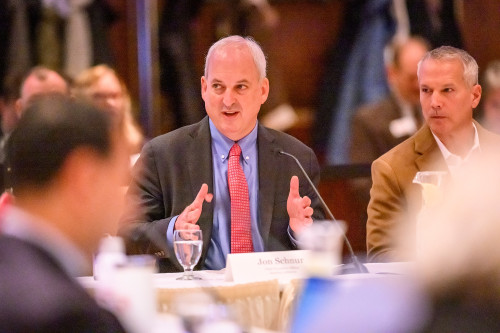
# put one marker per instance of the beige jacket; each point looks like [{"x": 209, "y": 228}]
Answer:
[{"x": 395, "y": 201}]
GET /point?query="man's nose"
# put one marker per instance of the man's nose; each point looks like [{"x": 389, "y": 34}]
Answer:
[
  {"x": 436, "y": 100},
  {"x": 229, "y": 98}
]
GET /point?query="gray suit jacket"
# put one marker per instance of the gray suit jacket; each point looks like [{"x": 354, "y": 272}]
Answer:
[{"x": 171, "y": 170}]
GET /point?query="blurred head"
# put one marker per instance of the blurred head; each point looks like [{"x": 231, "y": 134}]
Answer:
[
  {"x": 102, "y": 86},
  {"x": 38, "y": 82},
  {"x": 449, "y": 90},
  {"x": 8, "y": 99},
  {"x": 402, "y": 62},
  {"x": 68, "y": 161},
  {"x": 234, "y": 85},
  {"x": 491, "y": 96}
]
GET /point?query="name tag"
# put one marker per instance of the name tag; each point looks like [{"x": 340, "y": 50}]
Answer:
[{"x": 255, "y": 266}]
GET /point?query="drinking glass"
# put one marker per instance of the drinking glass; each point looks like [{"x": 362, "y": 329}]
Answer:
[
  {"x": 431, "y": 182},
  {"x": 324, "y": 239},
  {"x": 187, "y": 247}
]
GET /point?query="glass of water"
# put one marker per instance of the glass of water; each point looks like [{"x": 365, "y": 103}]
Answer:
[{"x": 187, "y": 246}]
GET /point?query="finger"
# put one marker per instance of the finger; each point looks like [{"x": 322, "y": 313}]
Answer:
[
  {"x": 209, "y": 197},
  {"x": 184, "y": 225},
  {"x": 308, "y": 212},
  {"x": 193, "y": 215},
  {"x": 187, "y": 226},
  {"x": 202, "y": 194},
  {"x": 294, "y": 186},
  {"x": 190, "y": 226},
  {"x": 306, "y": 201},
  {"x": 184, "y": 217}
]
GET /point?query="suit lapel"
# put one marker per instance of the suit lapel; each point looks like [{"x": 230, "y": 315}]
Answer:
[
  {"x": 268, "y": 171},
  {"x": 198, "y": 154},
  {"x": 430, "y": 157}
]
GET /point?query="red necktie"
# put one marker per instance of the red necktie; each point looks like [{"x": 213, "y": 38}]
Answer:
[{"x": 241, "y": 230}]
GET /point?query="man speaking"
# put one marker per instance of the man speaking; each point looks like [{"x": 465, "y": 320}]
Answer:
[{"x": 225, "y": 174}]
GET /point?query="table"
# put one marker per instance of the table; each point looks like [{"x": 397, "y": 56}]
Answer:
[
  {"x": 256, "y": 304},
  {"x": 265, "y": 304}
]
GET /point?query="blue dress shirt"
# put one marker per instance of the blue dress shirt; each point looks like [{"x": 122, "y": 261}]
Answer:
[{"x": 220, "y": 242}]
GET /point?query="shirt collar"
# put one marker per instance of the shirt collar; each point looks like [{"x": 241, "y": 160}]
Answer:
[
  {"x": 222, "y": 144},
  {"x": 455, "y": 160}
]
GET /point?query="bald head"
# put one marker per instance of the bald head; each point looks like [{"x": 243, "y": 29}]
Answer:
[{"x": 40, "y": 81}]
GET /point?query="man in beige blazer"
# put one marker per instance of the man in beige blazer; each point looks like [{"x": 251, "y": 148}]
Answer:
[{"x": 449, "y": 91}]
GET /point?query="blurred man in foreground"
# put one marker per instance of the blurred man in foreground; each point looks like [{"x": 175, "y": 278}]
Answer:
[
  {"x": 450, "y": 139},
  {"x": 68, "y": 165},
  {"x": 257, "y": 202},
  {"x": 459, "y": 260}
]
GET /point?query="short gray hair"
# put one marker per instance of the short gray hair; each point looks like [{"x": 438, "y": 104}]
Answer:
[
  {"x": 255, "y": 50},
  {"x": 447, "y": 53}
]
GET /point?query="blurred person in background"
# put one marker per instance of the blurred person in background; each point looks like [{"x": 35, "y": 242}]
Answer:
[
  {"x": 69, "y": 162},
  {"x": 39, "y": 81},
  {"x": 449, "y": 140},
  {"x": 490, "y": 105},
  {"x": 380, "y": 126},
  {"x": 103, "y": 87},
  {"x": 8, "y": 98}
]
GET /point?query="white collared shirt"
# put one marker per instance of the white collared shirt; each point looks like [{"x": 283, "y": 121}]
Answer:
[{"x": 454, "y": 162}]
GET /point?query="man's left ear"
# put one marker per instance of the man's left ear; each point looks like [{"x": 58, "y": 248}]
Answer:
[{"x": 476, "y": 95}]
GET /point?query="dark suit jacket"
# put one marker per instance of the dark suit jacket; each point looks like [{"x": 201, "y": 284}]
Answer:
[
  {"x": 171, "y": 170},
  {"x": 394, "y": 200},
  {"x": 36, "y": 294}
]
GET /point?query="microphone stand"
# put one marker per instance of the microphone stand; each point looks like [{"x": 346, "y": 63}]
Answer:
[{"x": 354, "y": 266}]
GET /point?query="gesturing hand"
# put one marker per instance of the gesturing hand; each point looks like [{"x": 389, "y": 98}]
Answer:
[
  {"x": 299, "y": 208},
  {"x": 188, "y": 218}
]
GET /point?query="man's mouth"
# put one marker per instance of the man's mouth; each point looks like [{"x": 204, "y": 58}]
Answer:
[{"x": 230, "y": 113}]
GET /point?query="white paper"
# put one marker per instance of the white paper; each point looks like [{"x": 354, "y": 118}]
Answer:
[{"x": 258, "y": 266}]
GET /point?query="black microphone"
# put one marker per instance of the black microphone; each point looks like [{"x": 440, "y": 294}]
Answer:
[{"x": 355, "y": 266}]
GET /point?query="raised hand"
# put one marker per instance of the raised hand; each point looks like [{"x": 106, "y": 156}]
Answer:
[
  {"x": 299, "y": 208},
  {"x": 188, "y": 218}
]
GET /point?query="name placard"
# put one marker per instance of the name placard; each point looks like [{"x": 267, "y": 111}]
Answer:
[{"x": 255, "y": 266}]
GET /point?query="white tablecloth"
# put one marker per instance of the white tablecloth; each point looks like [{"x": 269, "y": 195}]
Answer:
[{"x": 263, "y": 304}]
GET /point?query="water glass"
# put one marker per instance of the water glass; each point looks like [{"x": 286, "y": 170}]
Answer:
[{"x": 188, "y": 246}]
